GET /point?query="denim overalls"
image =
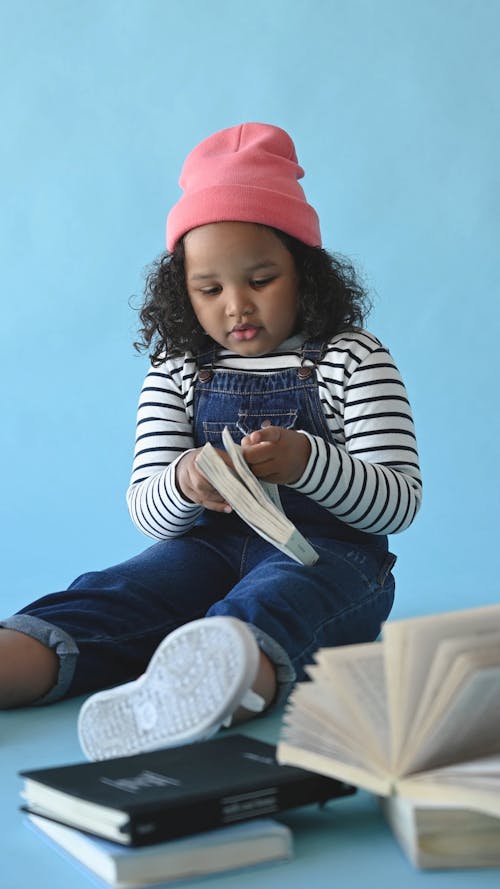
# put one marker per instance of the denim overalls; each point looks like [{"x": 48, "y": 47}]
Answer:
[{"x": 107, "y": 625}]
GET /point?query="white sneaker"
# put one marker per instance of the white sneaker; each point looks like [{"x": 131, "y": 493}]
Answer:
[{"x": 198, "y": 676}]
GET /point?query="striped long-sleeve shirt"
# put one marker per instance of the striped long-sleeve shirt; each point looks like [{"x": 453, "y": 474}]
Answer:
[{"x": 369, "y": 477}]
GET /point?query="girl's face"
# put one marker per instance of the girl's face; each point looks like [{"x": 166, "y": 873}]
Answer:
[{"x": 242, "y": 284}]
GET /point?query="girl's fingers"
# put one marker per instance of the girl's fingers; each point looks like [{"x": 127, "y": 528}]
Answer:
[{"x": 261, "y": 436}]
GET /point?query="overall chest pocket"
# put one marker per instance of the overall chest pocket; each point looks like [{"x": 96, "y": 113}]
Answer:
[{"x": 248, "y": 421}]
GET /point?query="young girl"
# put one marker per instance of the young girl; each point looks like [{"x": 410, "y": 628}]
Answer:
[{"x": 251, "y": 325}]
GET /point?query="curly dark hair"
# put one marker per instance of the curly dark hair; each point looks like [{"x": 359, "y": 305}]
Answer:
[{"x": 331, "y": 299}]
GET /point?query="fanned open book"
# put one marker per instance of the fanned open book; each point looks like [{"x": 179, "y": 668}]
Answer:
[
  {"x": 416, "y": 715},
  {"x": 256, "y": 502}
]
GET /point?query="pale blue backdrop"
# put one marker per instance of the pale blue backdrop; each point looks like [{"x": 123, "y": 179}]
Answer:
[{"x": 394, "y": 109}]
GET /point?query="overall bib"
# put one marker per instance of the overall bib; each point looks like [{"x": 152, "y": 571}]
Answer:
[
  {"x": 106, "y": 626},
  {"x": 288, "y": 398}
]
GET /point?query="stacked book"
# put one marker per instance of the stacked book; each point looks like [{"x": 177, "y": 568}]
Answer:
[{"x": 175, "y": 813}]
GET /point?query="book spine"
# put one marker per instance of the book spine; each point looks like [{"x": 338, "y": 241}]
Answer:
[
  {"x": 197, "y": 817},
  {"x": 200, "y": 815}
]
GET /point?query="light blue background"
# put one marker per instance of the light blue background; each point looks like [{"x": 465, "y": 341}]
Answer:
[
  {"x": 394, "y": 109},
  {"x": 393, "y": 105}
]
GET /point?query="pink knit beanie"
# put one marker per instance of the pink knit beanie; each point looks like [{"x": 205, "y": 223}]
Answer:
[{"x": 247, "y": 173}]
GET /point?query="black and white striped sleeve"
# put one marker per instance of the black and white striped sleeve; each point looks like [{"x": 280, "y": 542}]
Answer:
[
  {"x": 164, "y": 433},
  {"x": 370, "y": 479}
]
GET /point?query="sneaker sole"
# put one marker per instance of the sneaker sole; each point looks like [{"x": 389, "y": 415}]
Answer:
[{"x": 194, "y": 682}]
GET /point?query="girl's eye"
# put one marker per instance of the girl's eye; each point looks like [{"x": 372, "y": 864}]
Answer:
[
  {"x": 262, "y": 282},
  {"x": 210, "y": 291}
]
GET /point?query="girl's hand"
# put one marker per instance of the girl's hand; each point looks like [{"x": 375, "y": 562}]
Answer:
[
  {"x": 195, "y": 487},
  {"x": 276, "y": 455}
]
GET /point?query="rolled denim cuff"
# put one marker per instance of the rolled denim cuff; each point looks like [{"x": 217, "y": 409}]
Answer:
[
  {"x": 285, "y": 673},
  {"x": 54, "y": 638}
]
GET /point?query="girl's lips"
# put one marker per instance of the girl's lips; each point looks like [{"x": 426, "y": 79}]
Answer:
[{"x": 245, "y": 333}]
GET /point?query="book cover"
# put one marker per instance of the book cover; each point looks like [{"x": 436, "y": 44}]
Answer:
[
  {"x": 212, "y": 852},
  {"x": 170, "y": 793}
]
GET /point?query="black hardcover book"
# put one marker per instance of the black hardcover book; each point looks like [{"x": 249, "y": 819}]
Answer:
[{"x": 150, "y": 797}]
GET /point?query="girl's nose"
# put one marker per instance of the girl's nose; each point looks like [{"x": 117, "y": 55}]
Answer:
[{"x": 239, "y": 302}]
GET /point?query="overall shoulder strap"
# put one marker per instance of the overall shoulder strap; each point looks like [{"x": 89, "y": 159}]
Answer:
[{"x": 207, "y": 358}]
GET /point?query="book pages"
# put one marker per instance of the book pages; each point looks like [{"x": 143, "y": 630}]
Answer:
[
  {"x": 465, "y": 666},
  {"x": 255, "y": 485},
  {"x": 409, "y": 648},
  {"x": 251, "y": 502},
  {"x": 340, "y": 716},
  {"x": 451, "y": 788},
  {"x": 470, "y": 726},
  {"x": 437, "y": 690},
  {"x": 437, "y": 836},
  {"x": 318, "y": 706},
  {"x": 358, "y": 672}
]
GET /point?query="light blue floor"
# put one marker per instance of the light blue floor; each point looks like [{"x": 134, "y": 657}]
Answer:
[{"x": 345, "y": 845}]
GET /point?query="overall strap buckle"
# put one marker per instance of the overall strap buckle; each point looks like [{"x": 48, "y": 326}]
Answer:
[
  {"x": 311, "y": 353},
  {"x": 205, "y": 362}
]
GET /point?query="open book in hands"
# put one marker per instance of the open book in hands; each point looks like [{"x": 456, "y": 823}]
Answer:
[
  {"x": 417, "y": 714},
  {"x": 256, "y": 502}
]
